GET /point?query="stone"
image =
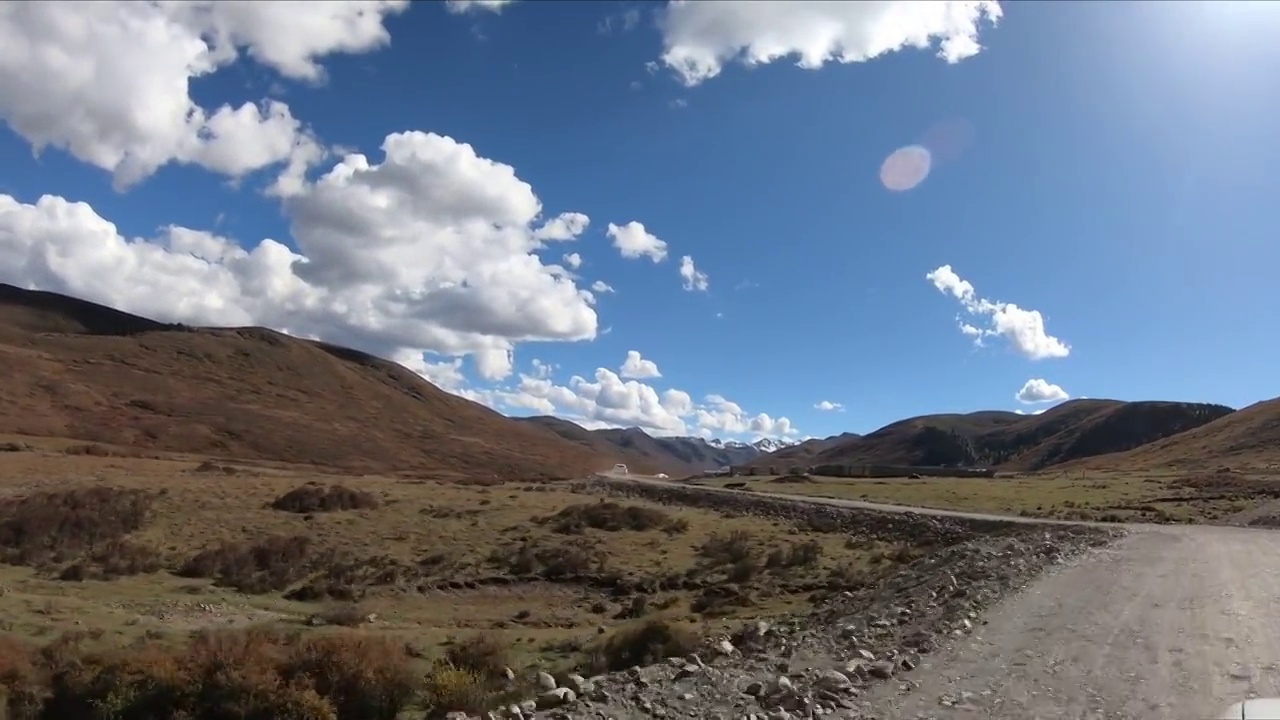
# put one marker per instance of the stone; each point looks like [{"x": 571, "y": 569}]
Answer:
[
  {"x": 555, "y": 698},
  {"x": 546, "y": 681}
]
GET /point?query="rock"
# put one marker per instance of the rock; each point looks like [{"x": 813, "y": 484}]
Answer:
[
  {"x": 546, "y": 681},
  {"x": 556, "y": 697},
  {"x": 511, "y": 674},
  {"x": 724, "y": 647},
  {"x": 687, "y": 671},
  {"x": 781, "y": 685},
  {"x": 834, "y": 680},
  {"x": 529, "y": 706},
  {"x": 882, "y": 670},
  {"x": 755, "y": 688},
  {"x": 514, "y": 712},
  {"x": 577, "y": 683},
  {"x": 867, "y": 654}
]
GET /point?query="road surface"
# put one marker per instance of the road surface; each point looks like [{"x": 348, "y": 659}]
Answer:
[{"x": 1173, "y": 622}]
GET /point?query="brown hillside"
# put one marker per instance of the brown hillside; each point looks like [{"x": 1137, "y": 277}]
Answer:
[
  {"x": 1248, "y": 438},
  {"x": 1071, "y": 431},
  {"x": 79, "y": 370}
]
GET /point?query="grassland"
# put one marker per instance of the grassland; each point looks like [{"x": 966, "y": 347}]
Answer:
[
  {"x": 1161, "y": 497},
  {"x": 132, "y": 552}
]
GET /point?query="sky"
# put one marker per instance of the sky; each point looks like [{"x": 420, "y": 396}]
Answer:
[{"x": 725, "y": 219}]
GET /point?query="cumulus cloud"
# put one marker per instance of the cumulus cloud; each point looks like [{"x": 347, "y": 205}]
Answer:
[
  {"x": 1023, "y": 329},
  {"x": 458, "y": 7},
  {"x": 700, "y": 38},
  {"x": 828, "y": 406},
  {"x": 634, "y": 242},
  {"x": 1039, "y": 390},
  {"x": 636, "y": 367},
  {"x": 108, "y": 81},
  {"x": 601, "y": 286},
  {"x": 573, "y": 261},
  {"x": 565, "y": 226},
  {"x": 433, "y": 249},
  {"x": 691, "y": 278},
  {"x": 608, "y": 400}
]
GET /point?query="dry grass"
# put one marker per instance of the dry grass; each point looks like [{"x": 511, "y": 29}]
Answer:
[
  {"x": 1162, "y": 497},
  {"x": 467, "y": 575}
]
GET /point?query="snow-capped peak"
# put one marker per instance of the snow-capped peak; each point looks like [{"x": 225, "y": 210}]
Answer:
[{"x": 767, "y": 445}]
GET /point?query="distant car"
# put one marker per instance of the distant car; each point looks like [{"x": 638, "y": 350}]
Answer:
[
  {"x": 620, "y": 469},
  {"x": 662, "y": 476}
]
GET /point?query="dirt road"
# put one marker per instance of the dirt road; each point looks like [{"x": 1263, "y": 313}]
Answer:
[
  {"x": 1171, "y": 622},
  {"x": 1174, "y": 622}
]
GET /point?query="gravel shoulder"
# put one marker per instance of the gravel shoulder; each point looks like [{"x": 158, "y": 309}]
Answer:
[{"x": 1166, "y": 622}]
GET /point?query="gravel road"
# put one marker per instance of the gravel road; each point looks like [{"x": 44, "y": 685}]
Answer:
[
  {"x": 1170, "y": 622},
  {"x": 1174, "y": 622}
]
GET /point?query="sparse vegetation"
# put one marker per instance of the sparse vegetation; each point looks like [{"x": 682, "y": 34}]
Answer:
[
  {"x": 613, "y": 517},
  {"x": 312, "y": 498},
  {"x": 61, "y": 526},
  {"x": 223, "y": 674},
  {"x": 270, "y": 564},
  {"x": 643, "y": 644}
]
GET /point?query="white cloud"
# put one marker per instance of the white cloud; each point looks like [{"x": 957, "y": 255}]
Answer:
[
  {"x": 601, "y": 286},
  {"x": 1024, "y": 329},
  {"x": 1039, "y": 390},
  {"x": 572, "y": 260},
  {"x": 637, "y": 367},
  {"x": 828, "y": 406},
  {"x": 700, "y": 38},
  {"x": 459, "y": 7},
  {"x": 108, "y": 81},
  {"x": 690, "y": 277},
  {"x": 634, "y": 242},
  {"x": 608, "y": 400},
  {"x": 431, "y": 250},
  {"x": 565, "y": 226}
]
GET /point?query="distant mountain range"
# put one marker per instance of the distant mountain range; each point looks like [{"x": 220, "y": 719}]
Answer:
[
  {"x": 75, "y": 369},
  {"x": 673, "y": 455}
]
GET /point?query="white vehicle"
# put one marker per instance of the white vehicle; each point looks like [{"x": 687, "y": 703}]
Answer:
[
  {"x": 662, "y": 476},
  {"x": 619, "y": 469}
]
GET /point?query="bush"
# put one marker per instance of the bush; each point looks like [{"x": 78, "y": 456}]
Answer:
[
  {"x": 726, "y": 549},
  {"x": 556, "y": 562},
  {"x": 271, "y": 564},
  {"x": 56, "y": 527},
  {"x": 642, "y": 645},
  {"x": 314, "y": 498},
  {"x": 613, "y": 517},
  {"x": 805, "y": 554},
  {"x": 449, "y": 688},
  {"x": 484, "y": 654},
  {"x": 220, "y": 675}
]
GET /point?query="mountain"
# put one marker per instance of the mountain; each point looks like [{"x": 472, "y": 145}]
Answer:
[
  {"x": 802, "y": 453},
  {"x": 1247, "y": 439},
  {"x": 1073, "y": 430},
  {"x": 673, "y": 455},
  {"x": 75, "y": 369}
]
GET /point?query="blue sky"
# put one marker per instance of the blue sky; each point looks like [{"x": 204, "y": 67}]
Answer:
[{"x": 1107, "y": 165}]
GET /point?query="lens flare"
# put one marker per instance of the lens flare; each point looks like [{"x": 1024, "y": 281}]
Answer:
[{"x": 905, "y": 168}]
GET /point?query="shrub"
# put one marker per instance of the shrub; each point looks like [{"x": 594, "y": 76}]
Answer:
[
  {"x": 449, "y": 688},
  {"x": 726, "y": 549},
  {"x": 645, "y": 644},
  {"x": 220, "y": 675},
  {"x": 271, "y": 564},
  {"x": 805, "y": 554},
  {"x": 314, "y": 498},
  {"x": 613, "y": 517},
  {"x": 484, "y": 654},
  {"x": 54, "y": 527}
]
